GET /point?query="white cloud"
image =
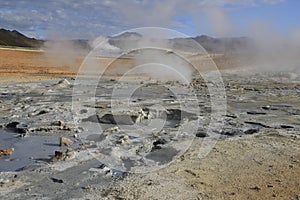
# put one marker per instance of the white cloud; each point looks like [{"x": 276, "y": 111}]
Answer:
[
  {"x": 274, "y": 1},
  {"x": 84, "y": 18}
]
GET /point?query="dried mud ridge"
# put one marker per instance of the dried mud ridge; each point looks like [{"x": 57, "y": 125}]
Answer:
[{"x": 257, "y": 153}]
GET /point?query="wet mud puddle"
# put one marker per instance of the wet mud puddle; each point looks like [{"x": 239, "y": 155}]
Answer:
[{"x": 27, "y": 150}]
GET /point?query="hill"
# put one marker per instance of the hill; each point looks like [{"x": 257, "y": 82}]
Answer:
[
  {"x": 16, "y": 39},
  {"x": 129, "y": 40}
]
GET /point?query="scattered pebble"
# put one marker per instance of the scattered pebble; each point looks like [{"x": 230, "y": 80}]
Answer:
[
  {"x": 63, "y": 141},
  {"x": 6, "y": 151},
  {"x": 255, "y": 188},
  {"x": 59, "y": 155},
  {"x": 55, "y": 180}
]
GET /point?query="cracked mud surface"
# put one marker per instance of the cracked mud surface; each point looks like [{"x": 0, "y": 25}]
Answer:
[{"x": 256, "y": 156}]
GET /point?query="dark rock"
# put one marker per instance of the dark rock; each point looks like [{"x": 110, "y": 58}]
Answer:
[
  {"x": 62, "y": 83},
  {"x": 231, "y": 132},
  {"x": 286, "y": 126},
  {"x": 55, "y": 180},
  {"x": 41, "y": 112},
  {"x": 119, "y": 119},
  {"x": 113, "y": 119},
  {"x": 190, "y": 172},
  {"x": 159, "y": 142},
  {"x": 256, "y": 113},
  {"x": 58, "y": 123},
  {"x": 255, "y": 188},
  {"x": 12, "y": 125},
  {"x": 59, "y": 155},
  {"x": 83, "y": 111},
  {"x": 257, "y": 124},
  {"x": 251, "y": 89},
  {"x": 201, "y": 134},
  {"x": 251, "y": 131},
  {"x": 231, "y": 116},
  {"x": 177, "y": 114},
  {"x": 154, "y": 148}
]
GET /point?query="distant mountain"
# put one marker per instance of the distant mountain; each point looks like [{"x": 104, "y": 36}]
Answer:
[
  {"x": 14, "y": 38},
  {"x": 131, "y": 40},
  {"x": 125, "y": 41},
  {"x": 127, "y": 36},
  {"x": 233, "y": 44}
]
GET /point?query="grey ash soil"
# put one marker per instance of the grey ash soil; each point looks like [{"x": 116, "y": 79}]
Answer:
[{"x": 257, "y": 155}]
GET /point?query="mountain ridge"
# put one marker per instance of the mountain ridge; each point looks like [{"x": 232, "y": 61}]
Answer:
[{"x": 210, "y": 44}]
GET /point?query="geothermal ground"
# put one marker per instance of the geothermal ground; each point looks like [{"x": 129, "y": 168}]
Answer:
[{"x": 67, "y": 145}]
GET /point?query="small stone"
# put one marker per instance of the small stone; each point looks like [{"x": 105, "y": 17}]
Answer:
[
  {"x": 201, "y": 134},
  {"x": 114, "y": 129},
  {"x": 256, "y": 113},
  {"x": 286, "y": 126},
  {"x": 58, "y": 123},
  {"x": 55, "y": 180},
  {"x": 70, "y": 154},
  {"x": 159, "y": 142},
  {"x": 63, "y": 141},
  {"x": 231, "y": 132},
  {"x": 190, "y": 172},
  {"x": 251, "y": 131},
  {"x": 255, "y": 188},
  {"x": 83, "y": 111},
  {"x": 62, "y": 83},
  {"x": 6, "y": 151},
  {"x": 59, "y": 155},
  {"x": 88, "y": 187},
  {"x": 123, "y": 139},
  {"x": 267, "y": 107}
]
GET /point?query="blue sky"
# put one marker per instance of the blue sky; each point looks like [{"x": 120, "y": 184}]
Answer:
[
  {"x": 91, "y": 18},
  {"x": 283, "y": 17}
]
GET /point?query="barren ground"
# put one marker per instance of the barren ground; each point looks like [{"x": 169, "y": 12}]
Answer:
[{"x": 264, "y": 165}]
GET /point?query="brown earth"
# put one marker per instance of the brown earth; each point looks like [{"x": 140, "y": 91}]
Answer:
[
  {"x": 21, "y": 62},
  {"x": 264, "y": 166},
  {"x": 26, "y": 64}
]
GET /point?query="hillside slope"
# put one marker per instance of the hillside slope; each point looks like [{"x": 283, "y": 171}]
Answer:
[{"x": 14, "y": 38}]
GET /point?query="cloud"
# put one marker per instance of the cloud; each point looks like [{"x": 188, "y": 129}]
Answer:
[
  {"x": 90, "y": 18},
  {"x": 274, "y": 1}
]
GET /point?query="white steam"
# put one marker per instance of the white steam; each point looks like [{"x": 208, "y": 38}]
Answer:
[{"x": 63, "y": 53}]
